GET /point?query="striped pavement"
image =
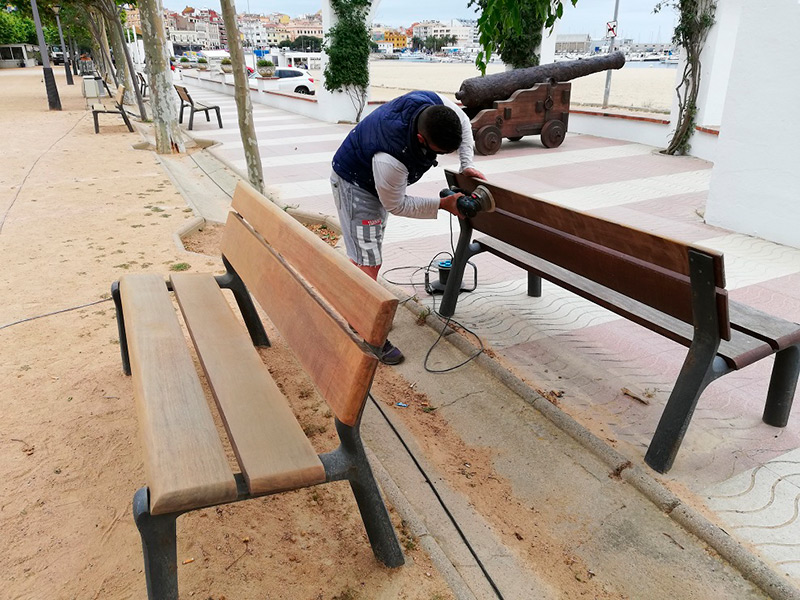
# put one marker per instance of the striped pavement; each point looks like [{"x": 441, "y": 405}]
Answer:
[{"x": 742, "y": 471}]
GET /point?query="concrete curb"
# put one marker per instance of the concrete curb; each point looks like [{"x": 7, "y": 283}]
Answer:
[
  {"x": 418, "y": 529},
  {"x": 746, "y": 562}
]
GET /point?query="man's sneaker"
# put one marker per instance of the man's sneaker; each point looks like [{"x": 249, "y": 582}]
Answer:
[{"x": 391, "y": 355}]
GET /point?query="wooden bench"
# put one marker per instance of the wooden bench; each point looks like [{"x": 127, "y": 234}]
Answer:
[
  {"x": 186, "y": 100},
  {"x": 671, "y": 288},
  {"x": 118, "y": 109},
  {"x": 332, "y": 316},
  {"x": 142, "y": 83}
]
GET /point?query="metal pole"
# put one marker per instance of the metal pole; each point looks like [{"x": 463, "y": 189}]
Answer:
[
  {"x": 64, "y": 50},
  {"x": 49, "y": 81},
  {"x": 611, "y": 44}
]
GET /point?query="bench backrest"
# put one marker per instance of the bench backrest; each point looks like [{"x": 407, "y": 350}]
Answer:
[
  {"x": 646, "y": 267},
  {"x": 183, "y": 93},
  {"x": 119, "y": 96},
  {"x": 313, "y": 295}
]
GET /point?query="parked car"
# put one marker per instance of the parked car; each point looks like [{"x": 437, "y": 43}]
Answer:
[
  {"x": 56, "y": 55},
  {"x": 294, "y": 80}
]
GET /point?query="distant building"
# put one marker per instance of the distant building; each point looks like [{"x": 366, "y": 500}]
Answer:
[
  {"x": 579, "y": 43},
  {"x": 398, "y": 39}
]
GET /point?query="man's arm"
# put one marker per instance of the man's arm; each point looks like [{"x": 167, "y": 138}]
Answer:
[{"x": 391, "y": 180}]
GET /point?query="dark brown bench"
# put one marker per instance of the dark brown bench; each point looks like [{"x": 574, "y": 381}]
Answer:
[
  {"x": 672, "y": 288},
  {"x": 332, "y": 316},
  {"x": 186, "y": 100},
  {"x": 117, "y": 109},
  {"x": 142, "y": 83}
]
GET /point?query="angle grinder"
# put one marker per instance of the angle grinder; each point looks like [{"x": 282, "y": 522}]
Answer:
[{"x": 470, "y": 205}]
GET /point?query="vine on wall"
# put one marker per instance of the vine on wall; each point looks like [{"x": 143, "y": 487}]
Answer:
[
  {"x": 695, "y": 19},
  {"x": 347, "y": 45}
]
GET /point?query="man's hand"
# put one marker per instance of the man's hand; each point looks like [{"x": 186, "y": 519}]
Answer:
[
  {"x": 473, "y": 172},
  {"x": 448, "y": 203}
]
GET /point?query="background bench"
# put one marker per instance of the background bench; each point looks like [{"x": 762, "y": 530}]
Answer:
[
  {"x": 310, "y": 293},
  {"x": 117, "y": 109},
  {"x": 672, "y": 288},
  {"x": 186, "y": 100}
]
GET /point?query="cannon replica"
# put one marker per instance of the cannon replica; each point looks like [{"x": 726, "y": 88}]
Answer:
[{"x": 528, "y": 101}]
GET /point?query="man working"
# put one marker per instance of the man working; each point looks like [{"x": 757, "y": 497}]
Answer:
[{"x": 391, "y": 148}]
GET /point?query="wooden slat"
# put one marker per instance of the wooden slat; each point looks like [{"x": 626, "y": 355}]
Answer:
[
  {"x": 740, "y": 351},
  {"x": 365, "y": 304},
  {"x": 666, "y": 291},
  {"x": 340, "y": 367},
  {"x": 777, "y": 332},
  {"x": 272, "y": 450},
  {"x": 667, "y": 253},
  {"x": 184, "y": 461}
]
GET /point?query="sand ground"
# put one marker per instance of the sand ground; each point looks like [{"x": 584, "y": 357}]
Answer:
[
  {"x": 649, "y": 89},
  {"x": 77, "y": 210}
]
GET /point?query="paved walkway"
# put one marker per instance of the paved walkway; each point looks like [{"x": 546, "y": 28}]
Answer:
[{"x": 743, "y": 473}]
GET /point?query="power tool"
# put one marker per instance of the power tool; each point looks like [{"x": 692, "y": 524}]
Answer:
[{"x": 470, "y": 205}]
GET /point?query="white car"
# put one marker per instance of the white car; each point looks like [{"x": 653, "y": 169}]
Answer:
[{"x": 294, "y": 80}]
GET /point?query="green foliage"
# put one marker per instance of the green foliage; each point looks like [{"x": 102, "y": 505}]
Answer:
[
  {"x": 184, "y": 59},
  {"x": 502, "y": 21},
  {"x": 348, "y": 46},
  {"x": 224, "y": 61},
  {"x": 285, "y": 44},
  {"x": 695, "y": 19},
  {"x": 202, "y": 61},
  {"x": 16, "y": 29},
  {"x": 260, "y": 63},
  {"x": 307, "y": 42}
]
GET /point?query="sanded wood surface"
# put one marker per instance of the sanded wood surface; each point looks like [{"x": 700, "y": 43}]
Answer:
[
  {"x": 272, "y": 450},
  {"x": 741, "y": 350},
  {"x": 669, "y": 254},
  {"x": 184, "y": 461},
  {"x": 779, "y": 333},
  {"x": 366, "y": 305},
  {"x": 337, "y": 363},
  {"x": 667, "y": 291}
]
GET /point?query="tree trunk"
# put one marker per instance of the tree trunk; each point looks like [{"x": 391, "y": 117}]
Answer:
[
  {"x": 163, "y": 100},
  {"x": 97, "y": 26},
  {"x": 124, "y": 77},
  {"x": 117, "y": 24},
  {"x": 244, "y": 107}
]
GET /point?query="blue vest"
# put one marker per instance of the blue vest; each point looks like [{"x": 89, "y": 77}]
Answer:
[{"x": 391, "y": 128}]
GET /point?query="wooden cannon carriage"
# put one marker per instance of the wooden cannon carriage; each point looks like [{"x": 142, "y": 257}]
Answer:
[{"x": 533, "y": 101}]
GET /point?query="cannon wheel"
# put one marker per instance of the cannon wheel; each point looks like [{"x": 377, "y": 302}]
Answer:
[
  {"x": 553, "y": 133},
  {"x": 515, "y": 138},
  {"x": 488, "y": 140}
]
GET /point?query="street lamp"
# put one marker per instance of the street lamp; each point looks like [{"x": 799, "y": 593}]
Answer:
[
  {"x": 57, "y": 9},
  {"x": 49, "y": 81}
]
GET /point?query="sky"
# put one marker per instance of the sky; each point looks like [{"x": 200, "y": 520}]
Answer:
[{"x": 635, "y": 19}]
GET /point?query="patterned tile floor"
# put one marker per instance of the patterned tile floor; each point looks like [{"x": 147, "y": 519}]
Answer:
[{"x": 744, "y": 472}]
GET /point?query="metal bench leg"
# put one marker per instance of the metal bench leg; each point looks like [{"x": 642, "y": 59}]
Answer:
[
  {"x": 219, "y": 117},
  {"x": 96, "y": 122},
  {"x": 126, "y": 119},
  {"x": 191, "y": 117},
  {"x": 534, "y": 285},
  {"x": 380, "y": 531},
  {"x": 453, "y": 286},
  {"x": 159, "y": 547},
  {"x": 782, "y": 386},
  {"x": 700, "y": 367},
  {"x": 180, "y": 118},
  {"x": 231, "y": 280},
  {"x": 123, "y": 337},
  {"x": 208, "y": 115}
]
